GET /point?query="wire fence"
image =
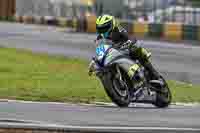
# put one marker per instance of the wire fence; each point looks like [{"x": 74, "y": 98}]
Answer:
[
  {"x": 161, "y": 11},
  {"x": 154, "y": 11},
  {"x": 54, "y": 8}
]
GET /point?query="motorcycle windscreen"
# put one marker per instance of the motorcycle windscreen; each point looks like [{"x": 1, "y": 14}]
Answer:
[{"x": 112, "y": 54}]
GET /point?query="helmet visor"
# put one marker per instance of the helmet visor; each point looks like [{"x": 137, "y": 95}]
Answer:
[{"x": 101, "y": 29}]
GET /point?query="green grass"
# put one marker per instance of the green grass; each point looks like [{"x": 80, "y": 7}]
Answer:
[
  {"x": 40, "y": 77},
  {"x": 183, "y": 92}
]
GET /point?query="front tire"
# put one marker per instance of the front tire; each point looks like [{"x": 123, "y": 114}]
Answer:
[{"x": 119, "y": 99}]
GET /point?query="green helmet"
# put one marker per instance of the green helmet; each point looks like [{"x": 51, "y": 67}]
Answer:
[{"x": 105, "y": 24}]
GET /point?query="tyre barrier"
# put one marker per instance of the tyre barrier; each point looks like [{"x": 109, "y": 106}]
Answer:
[
  {"x": 166, "y": 31},
  {"x": 173, "y": 31}
]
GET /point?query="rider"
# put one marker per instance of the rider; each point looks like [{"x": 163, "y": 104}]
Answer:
[{"x": 108, "y": 27}]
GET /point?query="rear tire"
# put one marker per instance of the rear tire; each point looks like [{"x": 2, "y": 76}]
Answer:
[{"x": 163, "y": 98}]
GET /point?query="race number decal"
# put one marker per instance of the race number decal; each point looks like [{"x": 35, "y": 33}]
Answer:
[{"x": 100, "y": 50}]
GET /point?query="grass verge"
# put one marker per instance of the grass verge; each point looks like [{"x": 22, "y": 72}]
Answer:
[{"x": 40, "y": 77}]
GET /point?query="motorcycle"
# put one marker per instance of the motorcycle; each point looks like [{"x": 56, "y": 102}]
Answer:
[{"x": 117, "y": 83}]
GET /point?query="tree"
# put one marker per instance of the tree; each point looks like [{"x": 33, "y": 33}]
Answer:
[{"x": 195, "y": 2}]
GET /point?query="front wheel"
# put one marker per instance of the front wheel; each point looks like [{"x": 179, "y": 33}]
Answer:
[{"x": 120, "y": 96}]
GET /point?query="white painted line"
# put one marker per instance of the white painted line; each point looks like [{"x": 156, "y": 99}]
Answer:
[
  {"x": 94, "y": 103},
  {"x": 178, "y": 103},
  {"x": 92, "y": 128},
  {"x": 129, "y": 128},
  {"x": 104, "y": 103},
  {"x": 95, "y": 128},
  {"x": 186, "y": 104},
  {"x": 20, "y": 121}
]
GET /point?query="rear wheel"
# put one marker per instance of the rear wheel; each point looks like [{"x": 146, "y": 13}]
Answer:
[{"x": 163, "y": 97}]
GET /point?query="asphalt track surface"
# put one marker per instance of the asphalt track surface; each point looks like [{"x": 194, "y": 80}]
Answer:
[
  {"x": 180, "y": 62},
  {"x": 93, "y": 115}
]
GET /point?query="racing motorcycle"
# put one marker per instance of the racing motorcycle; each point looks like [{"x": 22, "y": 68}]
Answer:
[{"x": 118, "y": 85}]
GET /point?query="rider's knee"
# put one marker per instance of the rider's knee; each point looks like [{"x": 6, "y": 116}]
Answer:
[
  {"x": 139, "y": 76},
  {"x": 135, "y": 73}
]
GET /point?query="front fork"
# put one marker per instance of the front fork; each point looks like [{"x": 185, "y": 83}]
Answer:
[{"x": 118, "y": 75}]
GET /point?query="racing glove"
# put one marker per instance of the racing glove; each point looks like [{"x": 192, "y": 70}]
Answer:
[{"x": 91, "y": 68}]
